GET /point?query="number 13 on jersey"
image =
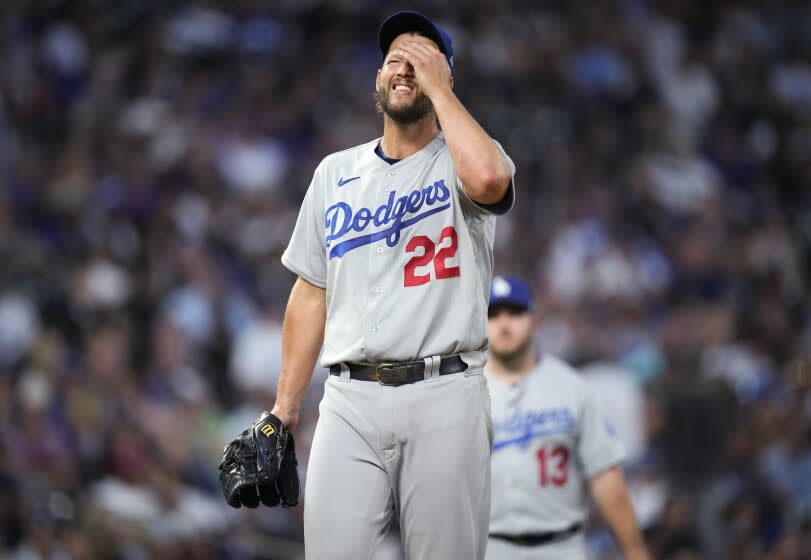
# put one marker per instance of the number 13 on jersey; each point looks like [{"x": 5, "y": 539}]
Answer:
[
  {"x": 553, "y": 465},
  {"x": 430, "y": 255}
]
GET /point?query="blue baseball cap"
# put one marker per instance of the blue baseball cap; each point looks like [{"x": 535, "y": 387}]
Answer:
[
  {"x": 507, "y": 290},
  {"x": 405, "y": 22}
]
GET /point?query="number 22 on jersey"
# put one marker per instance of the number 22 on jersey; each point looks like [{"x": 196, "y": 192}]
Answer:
[{"x": 435, "y": 254}]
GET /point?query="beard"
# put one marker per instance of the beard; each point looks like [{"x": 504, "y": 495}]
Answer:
[
  {"x": 420, "y": 108},
  {"x": 513, "y": 358}
]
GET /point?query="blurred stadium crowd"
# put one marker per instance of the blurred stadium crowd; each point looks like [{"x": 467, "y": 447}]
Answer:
[{"x": 153, "y": 155}]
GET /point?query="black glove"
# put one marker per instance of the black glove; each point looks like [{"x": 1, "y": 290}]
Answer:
[{"x": 260, "y": 466}]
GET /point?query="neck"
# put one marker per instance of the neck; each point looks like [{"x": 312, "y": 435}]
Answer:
[
  {"x": 511, "y": 368},
  {"x": 400, "y": 141}
]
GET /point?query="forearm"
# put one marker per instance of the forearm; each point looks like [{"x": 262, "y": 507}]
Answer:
[
  {"x": 482, "y": 168},
  {"x": 302, "y": 336},
  {"x": 611, "y": 496}
]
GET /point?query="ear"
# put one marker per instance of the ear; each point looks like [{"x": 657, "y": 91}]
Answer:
[
  {"x": 377, "y": 79},
  {"x": 451, "y": 82},
  {"x": 537, "y": 319}
]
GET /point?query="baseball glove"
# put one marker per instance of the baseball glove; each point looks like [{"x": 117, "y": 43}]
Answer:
[{"x": 260, "y": 466}]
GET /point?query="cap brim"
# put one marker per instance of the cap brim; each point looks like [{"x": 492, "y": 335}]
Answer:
[
  {"x": 405, "y": 22},
  {"x": 508, "y": 303}
]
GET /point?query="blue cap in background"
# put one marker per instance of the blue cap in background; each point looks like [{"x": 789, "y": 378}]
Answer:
[
  {"x": 507, "y": 290},
  {"x": 405, "y": 22}
]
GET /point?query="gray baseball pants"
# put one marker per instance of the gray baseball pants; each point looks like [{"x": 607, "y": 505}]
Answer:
[{"x": 422, "y": 450}]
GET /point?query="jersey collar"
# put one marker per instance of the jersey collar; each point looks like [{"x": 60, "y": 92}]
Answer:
[{"x": 427, "y": 151}]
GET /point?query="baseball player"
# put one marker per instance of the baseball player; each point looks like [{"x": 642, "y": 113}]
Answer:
[
  {"x": 393, "y": 252},
  {"x": 551, "y": 445}
]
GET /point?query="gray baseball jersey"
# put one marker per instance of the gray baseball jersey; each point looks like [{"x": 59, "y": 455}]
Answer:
[
  {"x": 404, "y": 254},
  {"x": 405, "y": 257},
  {"x": 550, "y": 438}
]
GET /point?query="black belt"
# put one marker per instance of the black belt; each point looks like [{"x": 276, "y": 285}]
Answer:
[
  {"x": 535, "y": 539},
  {"x": 398, "y": 373}
]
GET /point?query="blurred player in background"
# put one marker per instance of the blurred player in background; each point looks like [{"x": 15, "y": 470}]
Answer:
[{"x": 551, "y": 445}]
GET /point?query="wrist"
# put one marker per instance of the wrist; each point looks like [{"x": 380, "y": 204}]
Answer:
[
  {"x": 440, "y": 97},
  {"x": 288, "y": 414}
]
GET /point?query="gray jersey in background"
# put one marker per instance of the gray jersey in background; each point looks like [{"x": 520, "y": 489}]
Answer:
[{"x": 550, "y": 438}]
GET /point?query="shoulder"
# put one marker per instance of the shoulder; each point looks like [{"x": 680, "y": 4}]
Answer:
[
  {"x": 333, "y": 166},
  {"x": 552, "y": 367},
  {"x": 348, "y": 155}
]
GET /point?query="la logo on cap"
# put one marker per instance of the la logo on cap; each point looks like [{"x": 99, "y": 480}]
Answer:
[{"x": 501, "y": 287}]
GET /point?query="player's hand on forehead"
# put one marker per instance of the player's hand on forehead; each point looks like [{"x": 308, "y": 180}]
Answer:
[
  {"x": 430, "y": 65},
  {"x": 416, "y": 43},
  {"x": 417, "y": 49},
  {"x": 405, "y": 39}
]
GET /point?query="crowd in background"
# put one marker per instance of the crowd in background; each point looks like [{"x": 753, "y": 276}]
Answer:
[{"x": 153, "y": 156}]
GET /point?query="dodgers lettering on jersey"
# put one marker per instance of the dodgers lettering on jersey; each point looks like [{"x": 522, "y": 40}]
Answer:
[
  {"x": 341, "y": 219},
  {"x": 404, "y": 254},
  {"x": 521, "y": 428},
  {"x": 550, "y": 437}
]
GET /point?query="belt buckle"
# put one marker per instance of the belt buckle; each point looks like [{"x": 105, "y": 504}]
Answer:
[{"x": 390, "y": 376}]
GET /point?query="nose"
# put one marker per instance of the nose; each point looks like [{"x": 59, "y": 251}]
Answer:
[{"x": 405, "y": 68}]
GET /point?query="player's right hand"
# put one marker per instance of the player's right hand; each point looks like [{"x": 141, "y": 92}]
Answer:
[{"x": 431, "y": 68}]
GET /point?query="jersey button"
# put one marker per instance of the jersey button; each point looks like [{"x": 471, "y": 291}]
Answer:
[
  {"x": 375, "y": 328},
  {"x": 380, "y": 249},
  {"x": 379, "y": 290},
  {"x": 391, "y": 173}
]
